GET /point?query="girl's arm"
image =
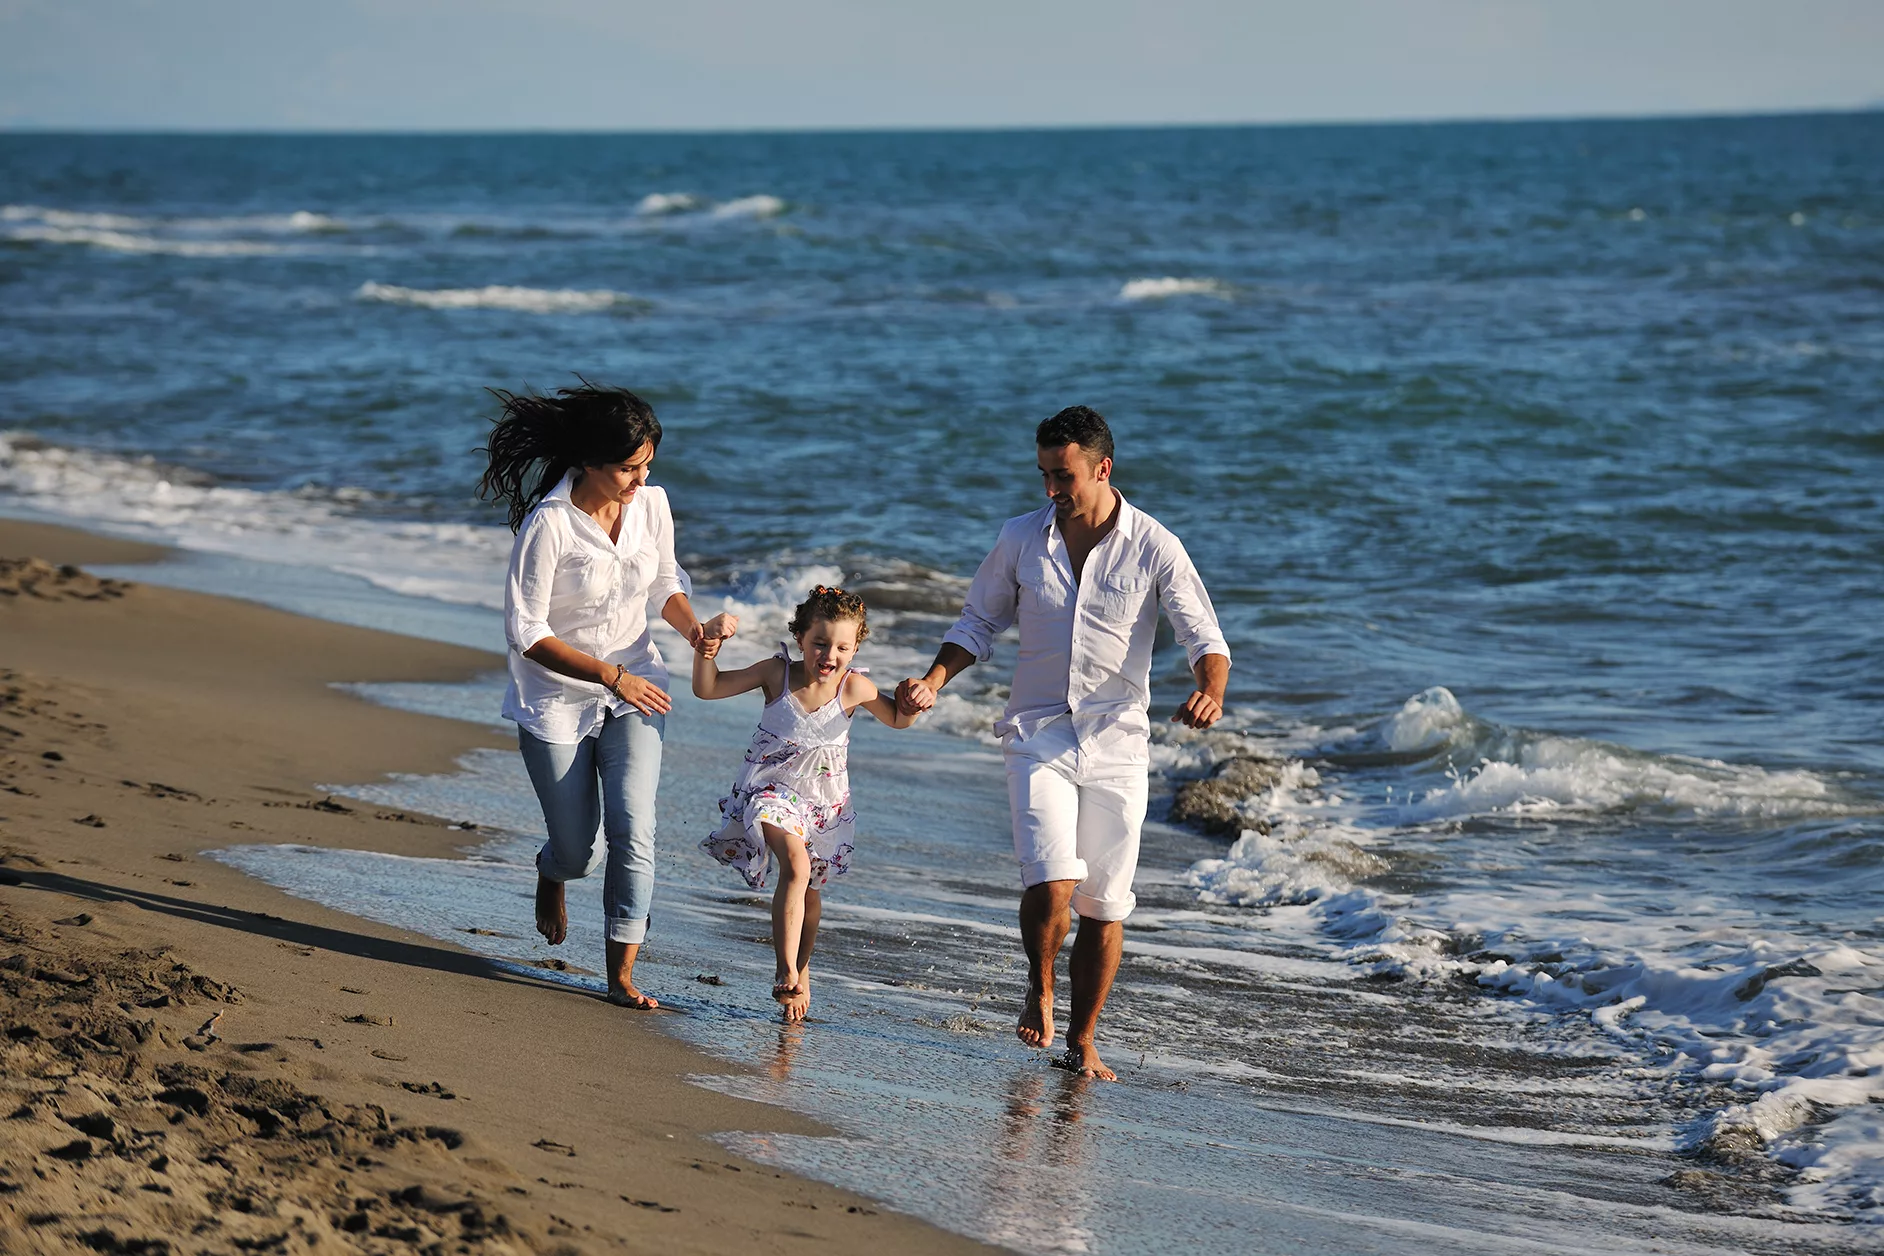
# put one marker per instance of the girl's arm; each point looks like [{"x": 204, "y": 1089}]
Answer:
[
  {"x": 710, "y": 682},
  {"x": 864, "y": 690}
]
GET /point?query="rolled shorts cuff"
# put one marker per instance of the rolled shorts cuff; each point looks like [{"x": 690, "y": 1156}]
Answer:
[
  {"x": 1106, "y": 909},
  {"x": 628, "y": 931},
  {"x": 1042, "y": 871}
]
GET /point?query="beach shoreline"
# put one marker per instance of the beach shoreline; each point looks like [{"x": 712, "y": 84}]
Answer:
[{"x": 408, "y": 1089}]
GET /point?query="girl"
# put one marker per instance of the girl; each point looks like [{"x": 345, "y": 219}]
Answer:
[
  {"x": 792, "y": 798},
  {"x": 594, "y": 551}
]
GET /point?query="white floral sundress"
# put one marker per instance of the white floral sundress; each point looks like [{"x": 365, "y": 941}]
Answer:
[{"x": 796, "y": 776}]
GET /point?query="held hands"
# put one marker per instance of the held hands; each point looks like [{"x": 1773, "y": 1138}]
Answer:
[
  {"x": 914, "y": 696},
  {"x": 1200, "y": 710},
  {"x": 711, "y": 635}
]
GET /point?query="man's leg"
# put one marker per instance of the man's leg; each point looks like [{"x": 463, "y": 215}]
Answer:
[
  {"x": 1045, "y": 916},
  {"x": 1111, "y": 813},
  {"x": 1096, "y": 953},
  {"x": 1045, "y": 806}
]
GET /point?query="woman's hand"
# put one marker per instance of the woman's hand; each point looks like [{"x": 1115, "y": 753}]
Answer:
[
  {"x": 644, "y": 696},
  {"x": 717, "y": 629}
]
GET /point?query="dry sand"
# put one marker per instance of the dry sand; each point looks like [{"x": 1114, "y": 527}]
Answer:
[{"x": 192, "y": 1061}]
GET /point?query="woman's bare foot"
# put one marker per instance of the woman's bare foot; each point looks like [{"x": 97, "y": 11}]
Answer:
[
  {"x": 628, "y": 996},
  {"x": 1036, "y": 1021},
  {"x": 1083, "y": 1058},
  {"x": 798, "y": 1006},
  {"x": 552, "y": 917}
]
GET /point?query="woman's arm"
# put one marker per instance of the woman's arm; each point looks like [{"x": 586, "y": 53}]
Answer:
[
  {"x": 710, "y": 682},
  {"x": 864, "y": 691},
  {"x": 678, "y": 612},
  {"x": 643, "y": 695}
]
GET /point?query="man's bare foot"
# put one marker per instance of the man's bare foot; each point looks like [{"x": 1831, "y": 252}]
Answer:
[
  {"x": 1083, "y": 1058},
  {"x": 629, "y": 996},
  {"x": 552, "y": 918},
  {"x": 1036, "y": 1021},
  {"x": 798, "y": 1005}
]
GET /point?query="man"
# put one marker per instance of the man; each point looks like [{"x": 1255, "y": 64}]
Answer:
[{"x": 1085, "y": 577}]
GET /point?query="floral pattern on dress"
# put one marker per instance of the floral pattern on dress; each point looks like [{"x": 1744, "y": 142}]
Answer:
[{"x": 796, "y": 777}]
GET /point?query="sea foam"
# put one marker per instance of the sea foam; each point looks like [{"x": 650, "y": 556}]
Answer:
[
  {"x": 760, "y": 206},
  {"x": 1159, "y": 289},
  {"x": 500, "y": 297}
]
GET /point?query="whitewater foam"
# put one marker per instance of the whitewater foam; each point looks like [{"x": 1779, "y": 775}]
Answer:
[
  {"x": 126, "y": 242},
  {"x": 451, "y": 562},
  {"x": 760, "y": 206},
  {"x": 658, "y": 203},
  {"x": 1706, "y": 991},
  {"x": 500, "y": 297},
  {"x": 1159, "y": 289}
]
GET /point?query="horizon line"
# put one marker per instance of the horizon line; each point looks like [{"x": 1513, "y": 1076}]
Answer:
[{"x": 1698, "y": 115}]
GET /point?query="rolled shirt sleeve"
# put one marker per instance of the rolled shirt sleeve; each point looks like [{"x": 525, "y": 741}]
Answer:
[
  {"x": 1187, "y": 605},
  {"x": 527, "y": 588},
  {"x": 993, "y": 598}
]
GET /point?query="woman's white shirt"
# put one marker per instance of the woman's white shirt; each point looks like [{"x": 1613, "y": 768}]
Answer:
[{"x": 569, "y": 581}]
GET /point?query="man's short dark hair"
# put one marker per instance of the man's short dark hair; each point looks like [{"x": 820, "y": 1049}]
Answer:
[{"x": 1077, "y": 425}]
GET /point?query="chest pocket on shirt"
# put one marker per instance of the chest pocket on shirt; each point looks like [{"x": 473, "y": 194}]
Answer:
[
  {"x": 583, "y": 577},
  {"x": 1041, "y": 588},
  {"x": 1120, "y": 598}
]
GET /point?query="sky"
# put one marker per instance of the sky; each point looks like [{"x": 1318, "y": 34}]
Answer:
[{"x": 621, "y": 65}]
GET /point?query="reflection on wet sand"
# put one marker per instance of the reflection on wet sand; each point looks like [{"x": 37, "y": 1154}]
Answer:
[{"x": 1039, "y": 1193}]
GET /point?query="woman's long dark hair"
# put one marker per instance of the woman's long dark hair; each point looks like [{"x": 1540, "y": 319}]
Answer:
[{"x": 573, "y": 427}]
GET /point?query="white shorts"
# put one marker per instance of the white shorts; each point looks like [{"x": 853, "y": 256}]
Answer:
[{"x": 1075, "y": 821}]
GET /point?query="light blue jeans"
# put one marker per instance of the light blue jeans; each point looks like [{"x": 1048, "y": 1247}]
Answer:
[{"x": 606, "y": 781}]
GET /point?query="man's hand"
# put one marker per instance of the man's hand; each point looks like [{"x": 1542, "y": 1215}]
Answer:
[
  {"x": 914, "y": 696},
  {"x": 1205, "y": 705},
  {"x": 1200, "y": 710}
]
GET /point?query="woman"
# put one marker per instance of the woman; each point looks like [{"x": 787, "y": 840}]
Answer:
[{"x": 588, "y": 688}]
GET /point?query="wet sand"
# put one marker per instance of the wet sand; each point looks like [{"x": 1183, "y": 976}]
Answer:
[{"x": 193, "y": 1060}]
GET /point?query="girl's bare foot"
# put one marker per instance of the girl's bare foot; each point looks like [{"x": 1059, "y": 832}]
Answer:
[
  {"x": 784, "y": 986},
  {"x": 1083, "y": 1058},
  {"x": 798, "y": 1006},
  {"x": 1036, "y": 1021},
  {"x": 628, "y": 996},
  {"x": 552, "y": 918}
]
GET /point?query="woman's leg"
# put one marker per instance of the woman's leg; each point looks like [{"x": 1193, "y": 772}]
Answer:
[
  {"x": 564, "y": 779},
  {"x": 628, "y": 761},
  {"x": 788, "y": 906}
]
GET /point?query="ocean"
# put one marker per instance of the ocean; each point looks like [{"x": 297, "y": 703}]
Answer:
[{"x": 1536, "y": 470}]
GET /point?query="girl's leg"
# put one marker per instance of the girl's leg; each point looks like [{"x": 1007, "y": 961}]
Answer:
[
  {"x": 788, "y": 906},
  {"x": 799, "y": 1005},
  {"x": 628, "y": 761},
  {"x": 564, "y": 779}
]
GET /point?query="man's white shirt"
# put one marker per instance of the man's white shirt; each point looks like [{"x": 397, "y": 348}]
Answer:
[{"x": 1085, "y": 644}]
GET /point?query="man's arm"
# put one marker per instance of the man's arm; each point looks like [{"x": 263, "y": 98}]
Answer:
[
  {"x": 992, "y": 602},
  {"x": 1205, "y": 705},
  {"x": 1193, "y": 619},
  {"x": 918, "y": 693}
]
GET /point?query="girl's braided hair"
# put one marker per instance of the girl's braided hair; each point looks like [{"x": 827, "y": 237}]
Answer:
[{"x": 835, "y": 605}]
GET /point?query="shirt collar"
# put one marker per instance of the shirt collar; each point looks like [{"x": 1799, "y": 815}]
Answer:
[
  {"x": 1126, "y": 525},
  {"x": 563, "y": 488}
]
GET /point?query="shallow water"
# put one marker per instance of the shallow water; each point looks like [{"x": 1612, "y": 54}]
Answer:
[{"x": 1534, "y": 470}]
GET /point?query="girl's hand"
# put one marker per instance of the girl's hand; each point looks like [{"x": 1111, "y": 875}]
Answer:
[
  {"x": 644, "y": 696},
  {"x": 708, "y": 647}
]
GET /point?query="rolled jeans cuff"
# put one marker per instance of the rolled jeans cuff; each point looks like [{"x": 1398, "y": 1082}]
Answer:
[
  {"x": 1045, "y": 870},
  {"x": 632, "y": 932}
]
